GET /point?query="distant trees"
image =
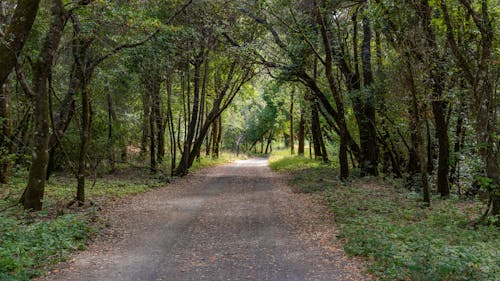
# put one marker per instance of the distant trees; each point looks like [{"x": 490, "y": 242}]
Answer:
[
  {"x": 390, "y": 78},
  {"x": 404, "y": 89}
]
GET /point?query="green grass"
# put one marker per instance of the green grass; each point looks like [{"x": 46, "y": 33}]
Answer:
[
  {"x": 31, "y": 243},
  {"x": 398, "y": 236},
  {"x": 281, "y": 160},
  {"x": 304, "y": 170},
  {"x": 224, "y": 157}
]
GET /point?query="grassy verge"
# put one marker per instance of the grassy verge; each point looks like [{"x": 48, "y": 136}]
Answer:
[
  {"x": 401, "y": 239},
  {"x": 31, "y": 243},
  {"x": 224, "y": 157}
]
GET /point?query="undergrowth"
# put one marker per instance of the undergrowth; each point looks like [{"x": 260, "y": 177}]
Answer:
[
  {"x": 399, "y": 237},
  {"x": 29, "y": 243}
]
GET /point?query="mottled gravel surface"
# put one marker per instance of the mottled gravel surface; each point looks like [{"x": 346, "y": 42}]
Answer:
[{"x": 232, "y": 222}]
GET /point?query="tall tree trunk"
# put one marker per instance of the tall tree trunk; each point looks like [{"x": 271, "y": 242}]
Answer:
[
  {"x": 171, "y": 128},
  {"x": 292, "y": 137},
  {"x": 158, "y": 118},
  {"x": 302, "y": 125},
  {"x": 343, "y": 132},
  {"x": 145, "y": 123},
  {"x": 17, "y": 32},
  {"x": 193, "y": 122},
  {"x": 219, "y": 138},
  {"x": 430, "y": 148},
  {"x": 269, "y": 140},
  {"x": 6, "y": 144},
  {"x": 315, "y": 130},
  {"x": 152, "y": 139},
  {"x": 84, "y": 144},
  {"x": 110, "y": 143},
  {"x": 367, "y": 129},
  {"x": 33, "y": 194},
  {"x": 459, "y": 135},
  {"x": 426, "y": 193},
  {"x": 215, "y": 133},
  {"x": 439, "y": 105}
]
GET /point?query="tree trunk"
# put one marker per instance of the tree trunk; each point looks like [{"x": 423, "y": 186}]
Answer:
[
  {"x": 367, "y": 129},
  {"x": 158, "y": 118},
  {"x": 269, "y": 140},
  {"x": 152, "y": 139},
  {"x": 193, "y": 122},
  {"x": 343, "y": 132},
  {"x": 302, "y": 125},
  {"x": 219, "y": 138},
  {"x": 171, "y": 128},
  {"x": 315, "y": 130},
  {"x": 84, "y": 144},
  {"x": 292, "y": 137},
  {"x": 110, "y": 143},
  {"x": 439, "y": 105},
  {"x": 33, "y": 194},
  {"x": 426, "y": 194},
  {"x": 6, "y": 144},
  {"x": 459, "y": 135},
  {"x": 17, "y": 32},
  {"x": 145, "y": 123}
]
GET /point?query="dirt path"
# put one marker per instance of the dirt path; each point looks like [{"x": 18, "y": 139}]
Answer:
[{"x": 231, "y": 222}]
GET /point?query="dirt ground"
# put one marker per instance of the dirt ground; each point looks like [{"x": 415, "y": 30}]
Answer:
[{"x": 232, "y": 222}]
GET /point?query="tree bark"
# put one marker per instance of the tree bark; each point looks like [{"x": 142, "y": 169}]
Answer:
[
  {"x": 302, "y": 125},
  {"x": 367, "y": 130},
  {"x": 33, "y": 194},
  {"x": 84, "y": 144},
  {"x": 193, "y": 121},
  {"x": 292, "y": 137},
  {"x": 344, "y": 165},
  {"x": 6, "y": 143},
  {"x": 15, "y": 36},
  {"x": 439, "y": 105}
]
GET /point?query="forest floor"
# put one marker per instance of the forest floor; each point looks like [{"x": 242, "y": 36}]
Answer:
[
  {"x": 388, "y": 224},
  {"x": 238, "y": 221}
]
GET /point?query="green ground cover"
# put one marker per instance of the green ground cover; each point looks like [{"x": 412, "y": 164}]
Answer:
[
  {"x": 31, "y": 243},
  {"x": 399, "y": 237}
]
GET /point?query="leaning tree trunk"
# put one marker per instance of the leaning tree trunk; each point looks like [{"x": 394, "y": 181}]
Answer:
[
  {"x": 17, "y": 32},
  {"x": 193, "y": 120}
]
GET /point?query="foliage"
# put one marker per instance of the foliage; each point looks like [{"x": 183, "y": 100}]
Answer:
[{"x": 29, "y": 242}]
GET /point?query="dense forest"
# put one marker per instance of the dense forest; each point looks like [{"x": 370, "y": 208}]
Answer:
[
  {"x": 405, "y": 89},
  {"x": 398, "y": 91}
]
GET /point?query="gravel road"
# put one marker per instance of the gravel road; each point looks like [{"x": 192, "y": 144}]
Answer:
[{"x": 232, "y": 222}]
